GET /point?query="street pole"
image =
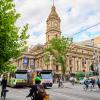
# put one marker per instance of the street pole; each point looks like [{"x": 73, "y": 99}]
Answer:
[{"x": 50, "y": 62}]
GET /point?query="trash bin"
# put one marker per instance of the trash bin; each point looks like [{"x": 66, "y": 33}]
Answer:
[{"x": 46, "y": 97}]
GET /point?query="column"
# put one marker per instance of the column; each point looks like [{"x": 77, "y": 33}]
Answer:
[
  {"x": 73, "y": 68},
  {"x": 29, "y": 63},
  {"x": 75, "y": 59},
  {"x": 81, "y": 69},
  {"x": 21, "y": 63},
  {"x": 80, "y": 64},
  {"x": 74, "y": 64}
]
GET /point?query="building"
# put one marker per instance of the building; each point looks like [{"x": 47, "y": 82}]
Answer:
[{"x": 79, "y": 59}]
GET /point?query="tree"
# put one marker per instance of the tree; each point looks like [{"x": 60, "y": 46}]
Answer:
[
  {"x": 47, "y": 59},
  {"x": 12, "y": 42},
  {"x": 58, "y": 48}
]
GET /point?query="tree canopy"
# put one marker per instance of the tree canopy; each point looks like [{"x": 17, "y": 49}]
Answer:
[
  {"x": 58, "y": 48},
  {"x": 12, "y": 42}
]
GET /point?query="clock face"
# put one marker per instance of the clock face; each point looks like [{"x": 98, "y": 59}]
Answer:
[{"x": 52, "y": 24}]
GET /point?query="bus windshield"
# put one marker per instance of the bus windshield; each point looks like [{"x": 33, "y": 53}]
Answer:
[
  {"x": 46, "y": 76},
  {"x": 21, "y": 76}
]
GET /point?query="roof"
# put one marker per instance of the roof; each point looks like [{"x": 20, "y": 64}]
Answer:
[
  {"x": 90, "y": 43},
  {"x": 53, "y": 14}
]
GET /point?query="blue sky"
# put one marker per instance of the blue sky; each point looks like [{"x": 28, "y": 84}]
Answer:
[{"x": 75, "y": 15}]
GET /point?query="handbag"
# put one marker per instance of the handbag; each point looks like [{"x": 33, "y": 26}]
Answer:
[{"x": 46, "y": 97}]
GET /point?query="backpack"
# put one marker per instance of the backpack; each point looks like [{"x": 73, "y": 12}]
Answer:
[{"x": 40, "y": 91}]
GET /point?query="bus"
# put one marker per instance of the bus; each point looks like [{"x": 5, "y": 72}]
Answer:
[
  {"x": 26, "y": 78},
  {"x": 18, "y": 78},
  {"x": 47, "y": 78}
]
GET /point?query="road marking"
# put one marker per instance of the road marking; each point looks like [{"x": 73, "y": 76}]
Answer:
[{"x": 67, "y": 96}]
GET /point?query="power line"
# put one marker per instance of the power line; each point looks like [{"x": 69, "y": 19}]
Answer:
[{"x": 86, "y": 29}]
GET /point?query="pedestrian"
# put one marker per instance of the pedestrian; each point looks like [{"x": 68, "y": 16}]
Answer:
[
  {"x": 98, "y": 83},
  {"x": 59, "y": 82},
  {"x": 3, "y": 84},
  {"x": 72, "y": 80},
  {"x": 86, "y": 83},
  {"x": 37, "y": 92},
  {"x": 92, "y": 82}
]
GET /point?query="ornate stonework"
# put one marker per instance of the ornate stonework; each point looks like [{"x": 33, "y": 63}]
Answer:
[{"x": 53, "y": 25}]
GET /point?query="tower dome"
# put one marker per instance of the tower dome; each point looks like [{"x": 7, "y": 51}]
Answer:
[{"x": 53, "y": 14}]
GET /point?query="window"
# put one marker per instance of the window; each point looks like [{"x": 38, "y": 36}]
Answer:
[
  {"x": 70, "y": 62},
  {"x": 57, "y": 68},
  {"x": 26, "y": 61},
  {"x": 77, "y": 65}
]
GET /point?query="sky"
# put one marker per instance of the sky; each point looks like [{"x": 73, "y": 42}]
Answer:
[{"x": 75, "y": 15}]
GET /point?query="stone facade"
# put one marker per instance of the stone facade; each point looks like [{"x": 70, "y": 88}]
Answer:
[{"x": 79, "y": 59}]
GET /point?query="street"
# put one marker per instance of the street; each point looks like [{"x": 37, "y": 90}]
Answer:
[{"x": 68, "y": 92}]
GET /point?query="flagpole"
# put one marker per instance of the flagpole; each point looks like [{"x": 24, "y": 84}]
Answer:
[{"x": 53, "y": 2}]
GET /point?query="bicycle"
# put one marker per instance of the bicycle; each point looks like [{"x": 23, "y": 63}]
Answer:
[
  {"x": 3, "y": 94},
  {"x": 90, "y": 86},
  {"x": 87, "y": 87}
]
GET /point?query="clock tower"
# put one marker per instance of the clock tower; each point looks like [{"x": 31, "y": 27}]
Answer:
[{"x": 53, "y": 25}]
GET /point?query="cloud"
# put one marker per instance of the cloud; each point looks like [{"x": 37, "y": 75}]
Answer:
[{"x": 75, "y": 15}]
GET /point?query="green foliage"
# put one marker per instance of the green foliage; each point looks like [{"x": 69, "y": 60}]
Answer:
[
  {"x": 80, "y": 75},
  {"x": 47, "y": 58},
  {"x": 12, "y": 43},
  {"x": 7, "y": 68},
  {"x": 58, "y": 48}
]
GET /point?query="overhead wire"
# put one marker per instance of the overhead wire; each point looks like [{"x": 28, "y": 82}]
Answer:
[{"x": 87, "y": 28}]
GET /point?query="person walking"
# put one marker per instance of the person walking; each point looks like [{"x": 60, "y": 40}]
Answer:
[
  {"x": 98, "y": 83},
  {"x": 86, "y": 83},
  {"x": 72, "y": 80},
  {"x": 92, "y": 81},
  {"x": 37, "y": 92},
  {"x": 3, "y": 84},
  {"x": 60, "y": 82}
]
